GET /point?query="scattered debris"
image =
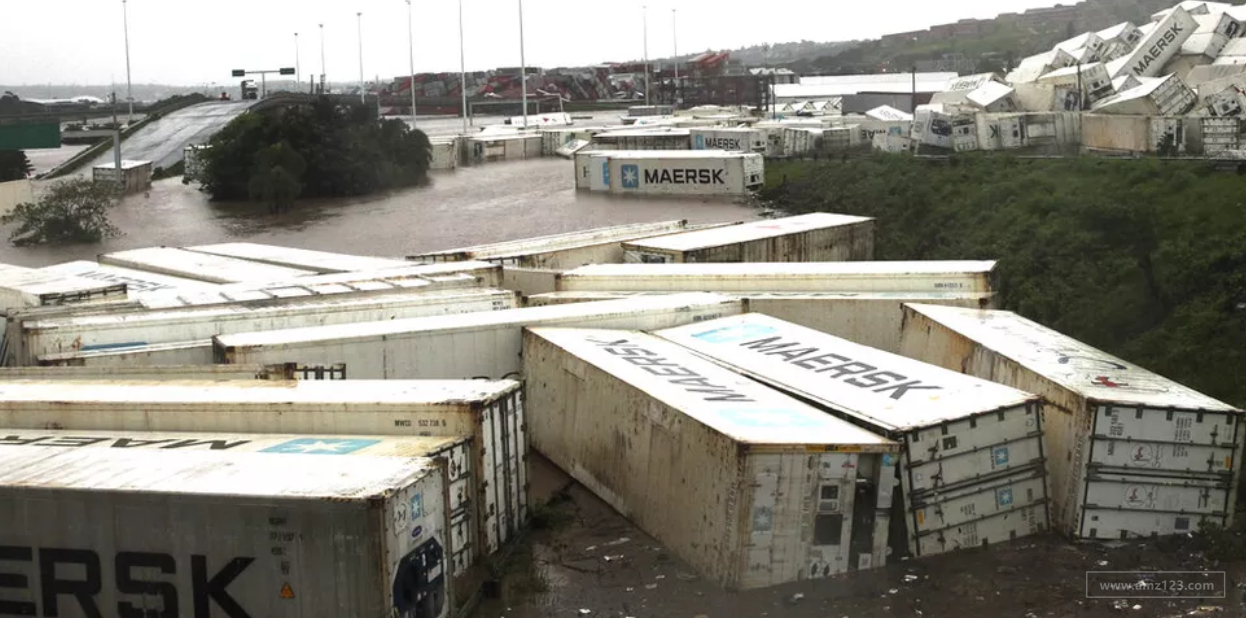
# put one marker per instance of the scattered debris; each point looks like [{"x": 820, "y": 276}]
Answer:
[
  {"x": 795, "y": 598},
  {"x": 612, "y": 558},
  {"x": 1120, "y": 604},
  {"x": 651, "y": 586},
  {"x": 1005, "y": 569},
  {"x": 585, "y": 612},
  {"x": 1102, "y": 563},
  {"x": 590, "y": 548},
  {"x": 617, "y": 542},
  {"x": 660, "y": 577},
  {"x": 893, "y": 591},
  {"x": 910, "y": 578}
]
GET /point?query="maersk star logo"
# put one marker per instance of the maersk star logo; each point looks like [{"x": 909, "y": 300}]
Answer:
[
  {"x": 700, "y": 142},
  {"x": 320, "y": 446},
  {"x": 631, "y": 176}
]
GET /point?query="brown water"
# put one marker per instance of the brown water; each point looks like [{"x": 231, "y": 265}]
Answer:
[{"x": 498, "y": 201}]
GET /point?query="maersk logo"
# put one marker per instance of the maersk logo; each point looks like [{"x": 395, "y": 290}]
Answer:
[
  {"x": 631, "y": 176},
  {"x": 700, "y": 142},
  {"x": 605, "y": 173},
  {"x": 734, "y": 334},
  {"x": 320, "y": 446}
]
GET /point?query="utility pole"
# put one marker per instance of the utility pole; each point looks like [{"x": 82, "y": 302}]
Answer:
[
  {"x": 363, "y": 93},
  {"x": 322, "y": 73},
  {"x": 411, "y": 57},
  {"x": 462, "y": 68},
  {"x": 675, "y": 37},
  {"x": 645, "y": 18},
  {"x": 298, "y": 66},
  {"x": 913, "y": 96},
  {"x": 129, "y": 90},
  {"x": 523, "y": 69}
]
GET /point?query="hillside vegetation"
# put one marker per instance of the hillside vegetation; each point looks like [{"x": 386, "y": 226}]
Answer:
[{"x": 1143, "y": 258}]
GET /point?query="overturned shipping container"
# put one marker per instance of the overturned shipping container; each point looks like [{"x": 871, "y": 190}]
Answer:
[
  {"x": 491, "y": 413},
  {"x": 710, "y": 172},
  {"x": 1157, "y": 47},
  {"x": 464, "y": 346},
  {"x": 28, "y": 287},
  {"x": 972, "y": 468},
  {"x": 154, "y": 373},
  {"x": 770, "y": 489},
  {"x": 1131, "y": 454},
  {"x": 200, "y": 266},
  {"x": 137, "y": 282},
  {"x": 815, "y": 237},
  {"x": 559, "y": 251},
  {"x": 242, "y": 534},
  {"x": 319, "y": 262},
  {"x": 951, "y": 276}
]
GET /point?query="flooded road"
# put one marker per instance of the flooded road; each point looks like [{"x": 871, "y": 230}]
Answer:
[{"x": 494, "y": 202}]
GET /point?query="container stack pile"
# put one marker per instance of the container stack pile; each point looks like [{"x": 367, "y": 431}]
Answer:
[{"x": 235, "y": 409}]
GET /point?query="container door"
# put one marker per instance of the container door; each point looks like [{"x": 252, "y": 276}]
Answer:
[
  {"x": 1133, "y": 506},
  {"x": 833, "y": 515},
  {"x": 991, "y": 511},
  {"x": 463, "y": 531},
  {"x": 864, "y": 513},
  {"x": 490, "y": 484}
]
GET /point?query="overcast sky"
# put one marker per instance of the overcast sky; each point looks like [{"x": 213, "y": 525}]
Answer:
[{"x": 187, "y": 42}]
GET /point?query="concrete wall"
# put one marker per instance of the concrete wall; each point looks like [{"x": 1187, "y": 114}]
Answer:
[{"x": 13, "y": 193}]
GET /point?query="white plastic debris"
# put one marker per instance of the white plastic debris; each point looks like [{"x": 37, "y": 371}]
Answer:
[
  {"x": 1102, "y": 563},
  {"x": 893, "y": 591},
  {"x": 651, "y": 586},
  {"x": 660, "y": 577},
  {"x": 590, "y": 548},
  {"x": 618, "y": 541},
  {"x": 910, "y": 578},
  {"x": 585, "y": 612}
]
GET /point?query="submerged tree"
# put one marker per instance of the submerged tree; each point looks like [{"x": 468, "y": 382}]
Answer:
[
  {"x": 14, "y": 165},
  {"x": 72, "y": 211},
  {"x": 277, "y": 176}
]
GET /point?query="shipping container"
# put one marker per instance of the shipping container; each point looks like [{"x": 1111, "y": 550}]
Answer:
[
  {"x": 1161, "y": 96},
  {"x": 815, "y": 237},
  {"x": 866, "y": 129},
  {"x": 135, "y": 175},
  {"x": 1001, "y": 131},
  {"x": 319, "y": 262},
  {"x": 871, "y": 319},
  {"x": 137, "y": 282},
  {"x": 445, "y": 153},
  {"x": 730, "y": 139},
  {"x": 994, "y": 97},
  {"x": 559, "y": 251},
  {"x": 1201, "y": 49},
  {"x": 512, "y": 147},
  {"x": 652, "y": 138},
  {"x": 1118, "y": 40},
  {"x": 932, "y": 126},
  {"x": 886, "y": 113},
  {"x": 28, "y": 287},
  {"x": 32, "y": 340},
  {"x": 1157, "y": 47},
  {"x": 253, "y": 534},
  {"x": 1233, "y": 53},
  {"x": 528, "y": 281},
  {"x": 599, "y": 165},
  {"x": 452, "y": 453},
  {"x": 157, "y": 354},
  {"x": 707, "y": 173},
  {"x": 1047, "y": 98},
  {"x": 583, "y": 171},
  {"x": 1089, "y": 41},
  {"x": 464, "y": 346},
  {"x": 554, "y": 139},
  {"x": 1130, "y": 453},
  {"x": 199, "y": 266},
  {"x": 930, "y": 276},
  {"x": 972, "y": 469},
  {"x": 770, "y": 489},
  {"x": 1092, "y": 79},
  {"x": 492, "y": 413},
  {"x": 154, "y": 373}
]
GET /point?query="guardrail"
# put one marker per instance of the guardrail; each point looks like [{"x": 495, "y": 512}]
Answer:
[{"x": 95, "y": 150}]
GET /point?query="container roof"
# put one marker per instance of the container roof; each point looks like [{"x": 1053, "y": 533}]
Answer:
[
  {"x": 1083, "y": 369},
  {"x": 251, "y": 475},
  {"x": 756, "y": 230},
  {"x": 727, "y": 402},
  {"x": 212, "y": 268},
  {"x": 36, "y": 281},
  {"x": 256, "y": 392},
  {"x": 467, "y": 321},
  {"x": 568, "y": 240},
  {"x": 229, "y": 443},
  {"x": 299, "y": 258},
  {"x": 1113, "y": 32},
  {"x": 784, "y": 268},
  {"x": 890, "y": 392}
]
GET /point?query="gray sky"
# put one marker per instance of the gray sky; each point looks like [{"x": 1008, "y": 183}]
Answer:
[{"x": 188, "y": 42}]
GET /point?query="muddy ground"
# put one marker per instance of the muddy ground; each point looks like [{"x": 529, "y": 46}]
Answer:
[{"x": 584, "y": 556}]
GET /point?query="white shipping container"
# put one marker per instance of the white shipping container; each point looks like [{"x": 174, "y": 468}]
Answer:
[
  {"x": 153, "y": 373},
  {"x": 964, "y": 440},
  {"x": 1001, "y": 131},
  {"x": 707, "y": 173},
  {"x": 815, "y": 237},
  {"x": 1118, "y": 40},
  {"x": 729, "y": 139},
  {"x": 583, "y": 172},
  {"x": 39, "y": 338},
  {"x": 599, "y": 180},
  {"x": 559, "y": 251},
  {"x": 994, "y": 97},
  {"x": 199, "y": 266},
  {"x": 871, "y": 319},
  {"x": 28, "y": 287},
  {"x": 513, "y": 147},
  {"x": 492, "y": 413},
  {"x": 528, "y": 281},
  {"x": 453, "y": 454},
  {"x": 930, "y": 276},
  {"x": 1127, "y": 448},
  {"x": 319, "y": 262},
  {"x": 932, "y": 127},
  {"x": 1165, "y": 96},
  {"x": 465, "y": 346},
  {"x": 1093, "y": 79},
  {"x": 652, "y": 138},
  {"x": 773, "y": 491},
  {"x": 445, "y": 154},
  {"x": 160, "y": 354},
  {"x": 137, "y": 282},
  {"x": 1157, "y": 47},
  {"x": 249, "y": 534}
]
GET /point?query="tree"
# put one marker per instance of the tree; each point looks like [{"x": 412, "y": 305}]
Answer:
[
  {"x": 14, "y": 165},
  {"x": 277, "y": 177},
  {"x": 72, "y": 211}
]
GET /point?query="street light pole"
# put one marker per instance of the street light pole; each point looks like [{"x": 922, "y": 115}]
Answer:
[
  {"x": 363, "y": 96},
  {"x": 523, "y": 69},
  {"x": 322, "y": 73},
  {"x": 129, "y": 90},
  {"x": 675, "y": 37},
  {"x": 462, "y": 68},
  {"x": 645, "y": 17},
  {"x": 298, "y": 65},
  {"x": 411, "y": 54}
]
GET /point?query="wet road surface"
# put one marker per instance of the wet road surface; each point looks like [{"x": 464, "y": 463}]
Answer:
[
  {"x": 162, "y": 141},
  {"x": 473, "y": 205}
]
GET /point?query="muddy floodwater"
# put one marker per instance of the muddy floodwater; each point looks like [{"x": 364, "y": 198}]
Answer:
[{"x": 473, "y": 205}]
